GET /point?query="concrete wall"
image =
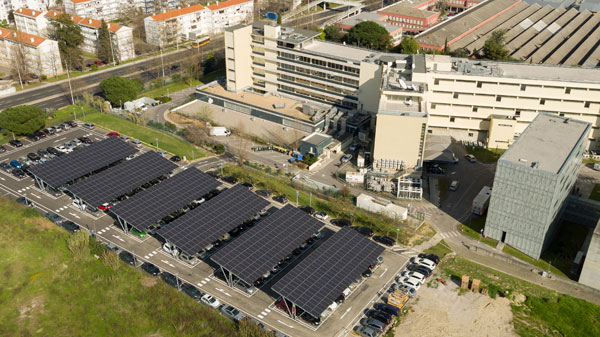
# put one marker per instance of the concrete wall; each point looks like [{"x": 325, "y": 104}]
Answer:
[
  {"x": 502, "y": 132},
  {"x": 590, "y": 274},
  {"x": 369, "y": 86},
  {"x": 397, "y": 139},
  {"x": 238, "y": 58}
]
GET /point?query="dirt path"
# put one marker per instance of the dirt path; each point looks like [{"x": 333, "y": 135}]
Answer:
[{"x": 441, "y": 312}]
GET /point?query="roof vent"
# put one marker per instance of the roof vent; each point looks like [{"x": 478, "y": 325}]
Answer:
[
  {"x": 32, "y": 12},
  {"x": 535, "y": 165},
  {"x": 31, "y": 39},
  {"x": 522, "y": 160},
  {"x": 90, "y": 21}
]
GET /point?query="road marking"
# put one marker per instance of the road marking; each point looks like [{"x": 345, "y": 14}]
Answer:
[
  {"x": 2, "y": 178},
  {"x": 118, "y": 238},
  {"x": 206, "y": 279},
  {"x": 383, "y": 272},
  {"x": 199, "y": 284},
  {"x": 289, "y": 326},
  {"x": 260, "y": 316},
  {"x": 167, "y": 262},
  {"x": 58, "y": 140},
  {"x": 57, "y": 210},
  {"x": 75, "y": 215},
  {"x": 263, "y": 313},
  {"x": 35, "y": 195},
  {"x": 344, "y": 314},
  {"x": 146, "y": 257},
  {"x": 267, "y": 310},
  {"x": 223, "y": 291},
  {"x": 203, "y": 282}
]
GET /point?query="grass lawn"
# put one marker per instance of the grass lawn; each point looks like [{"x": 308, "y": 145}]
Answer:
[
  {"x": 485, "y": 155},
  {"x": 444, "y": 184},
  {"x": 544, "y": 312},
  {"x": 47, "y": 290},
  {"x": 589, "y": 161},
  {"x": 595, "y": 195},
  {"x": 172, "y": 87},
  {"x": 473, "y": 230},
  {"x": 441, "y": 249},
  {"x": 538, "y": 263}
]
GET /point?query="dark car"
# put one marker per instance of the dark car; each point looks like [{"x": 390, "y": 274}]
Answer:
[
  {"x": 33, "y": 156},
  {"x": 230, "y": 179},
  {"x": 215, "y": 174},
  {"x": 53, "y": 151},
  {"x": 71, "y": 123},
  {"x": 127, "y": 257},
  {"x": 386, "y": 240},
  {"x": 390, "y": 309},
  {"x": 308, "y": 210},
  {"x": 310, "y": 319},
  {"x": 6, "y": 167},
  {"x": 367, "y": 273},
  {"x": 15, "y": 143},
  {"x": 40, "y": 134},
  {"x": 150, "y": 268},
  {"x": 366, "y": 231},
  {"x": 280, "y": 199},
  {"x": 191, "y": 291},
  {"x": 85, "y": 140},
  {"x": 25, "y": 201},
  {"x": 381, "y": 316},
  {"x": 33, "y": 137},
  {"x": 43, "y": 153},
  {"x": 247, "y": 185},
  {"x": 263, "y": 193},
  {"x": 431, "y": 257},
  {"x": 70, "y": 226},
  {"x": 19, "y": 173},
  {"x": 54, "y": 217},
  {"x": 340, "y": 299},
  {"x": 176, "y": 158},
  {"x": 170, "y": 279},
  {"x": 341, "y": 222},
  {"x": 419, "y": 269},
  {"x": 2, "y": 149}
]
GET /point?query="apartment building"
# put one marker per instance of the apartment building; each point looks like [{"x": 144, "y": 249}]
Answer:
[
  {"x": 38, "y": 5},
  {"x": 41, "y": 55},
  {"x": 98, "y": 9},
  {"x": 532, "y": 181},
  {"x": 38, "y": 23},
  {"x": 191, "y": 22}
]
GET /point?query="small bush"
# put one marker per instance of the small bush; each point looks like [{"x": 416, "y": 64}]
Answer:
[
  {"x": 170, "y": 127},
  {"x": 493, "y": 290},
  {"x": 44, "y": 77},
  {"x": 163, "y": 99},
  {"x": 219, "y": 148},
  {"x": 156, "y": 125},
  {"x": 94, "y": 67}
]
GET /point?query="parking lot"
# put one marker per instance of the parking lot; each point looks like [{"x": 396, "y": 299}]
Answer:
[{"x": 259, "y": 305}]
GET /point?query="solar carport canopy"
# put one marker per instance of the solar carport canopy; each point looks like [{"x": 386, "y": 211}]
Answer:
[
  {"x": 63, "y": 169},
  {"x": 118, "y": 180},
  {"x": 316, "y": 282},
  {"x": 268, "y": 242},
  {"x": 148, "y": 206},
  {"x": 205, "y": 224}
]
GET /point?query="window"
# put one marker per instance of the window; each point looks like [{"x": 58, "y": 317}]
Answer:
[
  {"x": 518, "y": 112},
  {"x": 523, "y": 86},
  {"x": 470, "y": 134},
  {"x": 455, "y": 95},
  {"x": 474, "y": 109},
  {"x": 479, "y": 84},
  {"x": 542, "y": 101},
  {"x": 561, "y": 114},
  {"x": 567, "y": 90},
  {"x": 430, "y": 131},
  {"x": 432, "y": 106},
  {"x": 436, "y": 81},
  {"x": 451, "y": 119},
  {"x": 587, "y": 104},
  {"x": 498, "y": 98}
]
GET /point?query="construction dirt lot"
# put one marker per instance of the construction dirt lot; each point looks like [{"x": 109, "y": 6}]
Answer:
[{"x": 442, "y": 311}]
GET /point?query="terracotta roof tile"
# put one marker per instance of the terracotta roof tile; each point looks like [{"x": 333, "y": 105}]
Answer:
[
  {"x": 225, "y": 4},
  {"x": 83, "y": 21},
  {"x": 28, "y": 12},
  {"x": 32, "y": 40},
  {"x": 177, "y": 12}
]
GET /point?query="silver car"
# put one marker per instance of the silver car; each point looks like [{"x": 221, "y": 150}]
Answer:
[{"x": 373, "y": 324}]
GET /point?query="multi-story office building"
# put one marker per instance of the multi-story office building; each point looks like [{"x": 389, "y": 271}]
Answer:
[
  {"x": 39, "y": 23},
  {"x": 191, "y": 22},
  {"x": 470, "y": 100},
  {"x": 41, "y": 56},
  {"x": 533, "y": 179}
]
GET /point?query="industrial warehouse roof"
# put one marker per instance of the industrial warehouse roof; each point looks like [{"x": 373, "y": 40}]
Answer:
[
  {"x": 547, "y": 142},
  {"x": 315, "y": 282},
  {"x": 268, "y": 242},
  {"x": 68, "y": 167}
]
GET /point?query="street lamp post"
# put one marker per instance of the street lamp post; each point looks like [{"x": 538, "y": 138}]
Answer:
[
  {"x": 74, "y": 114},
  {"x": 156, "y": 144}
]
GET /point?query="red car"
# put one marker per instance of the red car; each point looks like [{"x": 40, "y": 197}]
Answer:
[
  {"x": 281, "y": 305},
  {"x": 105, "y": 206},
  {"x": 113, "y": 134},
  {"x": 98, "y": 63}
]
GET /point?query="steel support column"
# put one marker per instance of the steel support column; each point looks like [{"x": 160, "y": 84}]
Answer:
[
  {"x": 123, "y": 224},
  {"x": 290, "y": 312},
  {"x": 40, "y": 183}
]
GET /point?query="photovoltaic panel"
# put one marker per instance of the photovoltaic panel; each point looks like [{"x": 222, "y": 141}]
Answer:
[
  {"x": 149, "y": 206},
  {"x": 320, "y": 278},
  {"x": 71, "y": 166},
  {"x": 268, "y": 242},
  {"x": 208, "y": 222},
  {"x": 125, "y": 177}
]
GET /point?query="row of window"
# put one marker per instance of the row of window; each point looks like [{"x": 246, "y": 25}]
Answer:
[
  {"x": 317, "y": 62},
  {"x": 319, "y": 74},
  {"x": 306, "y": 93},
  {"x": 522, "y": 87},
  {"x": 316, "y": 85}
]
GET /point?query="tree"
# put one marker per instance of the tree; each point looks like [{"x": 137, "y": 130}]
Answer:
[
  {"x": 493, "y": 48},
  {"x": 69, "y": 37},
  {"x": 370, "y": 34},
  {"x": 105, "y": 51},
  {"x": 196, "y": 135},
  {"x": 118, "y": 90},
  {"x": 4, "y": 24},
  {"x": 460, "y": 52},
  {"x": 408, "y": 45},
  {"x": 22, "y": 119},
  {"x": 333, "y": 33}
]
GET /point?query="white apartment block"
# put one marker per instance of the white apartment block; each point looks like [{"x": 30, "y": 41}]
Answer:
[
  {"x": 471, "y": 100},
  {"x": 41, "y": 55},
  {"x": 191, "y": 22},
  {"x": 98, "y": 9},
  {"x": 39, "y": 23},
  {"x": 38, "y": 5}
]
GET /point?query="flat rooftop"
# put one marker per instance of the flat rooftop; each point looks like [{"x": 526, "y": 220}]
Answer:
[
  {"x": 344, "y": 52},
  {"x": 292, "y": 108},
  {"x": 408, "y": 10},
  {"x": 316, "y": 138},
  {"x": 546, "y": 143}
]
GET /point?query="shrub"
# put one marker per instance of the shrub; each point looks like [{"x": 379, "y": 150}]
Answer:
[
  {"x": 163, "y": 99},
  {"x": 94, "y": 67},
  {"x": 44, "y": 77},
  {"x": 170, "y": 127},
  {"x": 219, "y": 148},
  {"x": 156, "y": 125}
]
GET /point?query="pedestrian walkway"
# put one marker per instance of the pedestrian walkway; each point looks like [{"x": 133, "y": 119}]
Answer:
[{"x": 452, "y": 234}]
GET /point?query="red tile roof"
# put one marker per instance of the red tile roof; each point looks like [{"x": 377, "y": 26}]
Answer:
[
  {"x": 80, "y": 20},
  {"x": 32, "y": 40},
  {"x": 225, "y": 4},
  {"x": 28, "y": 12},
  {"x": 177, "y": 12}
]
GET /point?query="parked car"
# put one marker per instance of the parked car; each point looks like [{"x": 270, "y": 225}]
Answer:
[
  {"x": 420, "y": 269},
  {"x": 390, "y": 309},
  {"x": 105, "y": 206},
  {"x": 232, "y": 313},
  {"x": 230, "y": 179},
  {"x": 89, "y": 125},
  {"x": 49, "y": 131},
  {"x": 423, "y": 262},
  {"x": 210, "y": 301},
  {"x": 281, "y": 304},
  {"x": 321, "y": 216},
  {"x": 280, "y": 199},
  {"x": 127, "y": 257},
  {"x": 136, "y": 143},
  {"x": 135, "y": 232},
  {"x": 25, "y": 201},
  {"x": 380, "y": 316},
  {"x": 33, "y": 156},
  {"x": 43, "y": 153},
  {"x": 386, "y": 240},
  {"x": 191, "y": 291},
  {"x": 19, "y": 173},
  {"x": 247, "y": 184},
  {"x": 15, "y": 143},
  {"x": 263, "y": 193},
  {"x": 373, "y": 324},
  {"x": 215, "y": 174},
  {"x": 432, "y": 257},
  {"x": 471, "y": 158},
  {"x": 364, "y": 331},
  {"x": 308, "y": 210},
  {"x": 346, "y": 158},
  {"x": 366, "y": 231},
  {"x": 170, "y": 279},
  {"x": 367, "y": 273},
  {"x": 412, "y": 292},
  {"x": 58, "y": 128},
  {"x": 54, "y": 217},
  {"x": 70, "y": 226},
  {"x": 310, "y": 319},
  {"x": 72, "y": 124},
  {"x": 85, "y": 140},
  {"x": 2, "y": 149},
  {"x": 436, "y": 169},
  {"x": 341, "y": 222},
  {"x": 176, "y": 158},
  {"x": 150, "y": 268},
  {"x": 453, "y": 186},
  {"x": 53, "y": 151},
  {"x": 33, "y": 137},
  {"x": 6, "y": 167},
  {"x": 113, "y": 134},
  {"x": 16, "y": 164},
  {"x": 414, "y": 274}
]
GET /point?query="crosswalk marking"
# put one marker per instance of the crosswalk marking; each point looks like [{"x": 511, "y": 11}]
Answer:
[{"x": 447, "y": 235}]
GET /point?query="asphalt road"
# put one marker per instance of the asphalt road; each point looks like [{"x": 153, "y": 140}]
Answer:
[{"x": 57, "y": 95}]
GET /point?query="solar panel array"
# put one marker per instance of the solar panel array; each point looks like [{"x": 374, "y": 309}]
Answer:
[
  {"x": 149, "y": 206},
  {"x": 267, "y": 243},
  {"x": 118, "y": 180},
  {"x": 320, "y": 279},
  {"x": 63, "y": 169},
  {"x": 208, "y": 222}
]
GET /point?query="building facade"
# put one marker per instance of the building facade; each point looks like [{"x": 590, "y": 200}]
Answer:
[
  {"x": 38, "y": 5},
  {"x": 41, "y": 56},
  {"x": 532, "y": 181},
  {"x": 31, "y": 21},
  {"x": 192, "y": 22},
  {"x": 97, "y": 9}
]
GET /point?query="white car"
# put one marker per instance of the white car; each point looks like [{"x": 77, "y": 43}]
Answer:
[
  {"x": 423, "y": 262},
  {"x": 77, "y": 203},
  {"x": 64, "y": 149},
  {"x": 414, "y": 274},
  {"x": 346, "y": 158},
  {"x": 409, "y": 281},
  {"x": 210, "y": 301},
  {"x": 321, "y": 216}
]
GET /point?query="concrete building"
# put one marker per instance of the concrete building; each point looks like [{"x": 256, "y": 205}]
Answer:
[
  {"x": 532, "y": 181},
  {"x": 98, "y": 9},
  {"x": 41, "y": 55},
  {"x": 380, "y": 19},
  {"x": 39, "y": 23},
  {"x": 314, "y": 144},
  {"x": 413, "y": 16},
  {"x": 37, "y": 5},
  {"x": 192, "y": 22},
  {"x": 590, "y": 273},
  {"x": 381, "y": 205}
]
